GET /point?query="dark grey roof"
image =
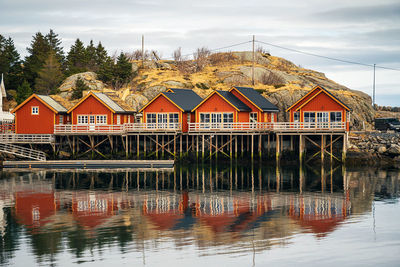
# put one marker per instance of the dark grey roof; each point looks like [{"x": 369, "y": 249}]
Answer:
[
  {"x": 52, "y": 103},
  {"x": 234, "y": 100},
  {"x": 257, "y": 99},
  {"x": 186, "y": 99}
]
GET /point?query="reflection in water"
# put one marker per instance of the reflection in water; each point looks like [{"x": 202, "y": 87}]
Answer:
[{"x": 234, "y": 211}]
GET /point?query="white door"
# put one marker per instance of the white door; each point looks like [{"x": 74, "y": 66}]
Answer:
[
  {"x": 216, "y": 120},
  {"x": 162, "y": 120}
]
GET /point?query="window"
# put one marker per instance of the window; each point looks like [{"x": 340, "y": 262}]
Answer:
[
  {"x": 296, "y": 116},
  {"x": 188, "y": 117},
  {"x": 253, "y": 117},
  {"x": 309, "y": 116},
  {"x": 91, "y": 119},
  {"x": 336, "y": 116},
  {"x": 205, "y": 117},
  {"x": 162, "y": 120},
  {"x": 151, "y": 118},
  {"x": 173, "y": 120},
  {"x": 227, "y": 120},
  {"x": 322, "y": 119},
  {"x": 101, "y": 119},
  {"x": 82, "y": 119},
  {"x": 272, "y": 117},
  {"x": 35, "y": 110},
  {"x": 61, "y": 119},
  {"x": 118, "y": 119}
]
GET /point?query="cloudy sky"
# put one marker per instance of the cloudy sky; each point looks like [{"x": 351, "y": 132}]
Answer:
[{"x": 366, "y": 31}]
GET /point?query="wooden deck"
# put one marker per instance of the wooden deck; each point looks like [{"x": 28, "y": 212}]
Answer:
[{"x": 26, "y": 138}]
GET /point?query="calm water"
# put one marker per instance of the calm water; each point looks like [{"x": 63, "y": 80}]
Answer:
[{"x": 197, "y": 216}]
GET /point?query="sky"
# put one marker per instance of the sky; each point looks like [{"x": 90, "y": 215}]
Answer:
[{"x": 366, "y": 31}]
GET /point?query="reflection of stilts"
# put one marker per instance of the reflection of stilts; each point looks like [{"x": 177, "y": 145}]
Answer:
[{"x": 278, "y": 178}]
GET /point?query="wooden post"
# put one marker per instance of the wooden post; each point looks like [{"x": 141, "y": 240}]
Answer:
[
  {"x": 241, "y": 145},
  {"x": 301, "y": 149},
  {"x": 138, "y": 147},
  {"x": 210, "y": 142},
  {"x": 291, "y": 143},
  {"x": 162, "y": 146},
  {"x": 236, "y": 141},
  {"x": 322, "y": 148},
  {"x": 157, "y": 146},
  {"x": 126, "y": 147},
  {"x": 260, "y": 146},
  {"x": 269, "y": 145},
  {"x": 331, "y": 147},
  {"x": 252, "y": 147},
  {"x": 180, "y": 146},
  {"x": 216, "y": 147},
  {"x": 187, "y": 144},
  {"x": 175, "y": 146},
  {"x": 344, "y": 148},
  {"x": 197, "y": 147},
  {"x": 278, "y": 146},
  {"x": 230, "y": 146},
  {"x": 144, "y": 145},
  {"x": 202, "y": 147}
]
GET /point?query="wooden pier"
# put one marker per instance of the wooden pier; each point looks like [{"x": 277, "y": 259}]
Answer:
[{"x": 202, "y": 141}]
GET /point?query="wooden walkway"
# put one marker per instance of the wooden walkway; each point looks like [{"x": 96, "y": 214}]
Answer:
[
  {"x": 22, "y": 152},
  {"x": 27, "y": 138}
]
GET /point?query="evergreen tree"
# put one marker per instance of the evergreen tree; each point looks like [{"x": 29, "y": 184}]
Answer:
[
  {"x": 10, "y": 64},
  {"x": 90, "y": 55},
  {"x": 80, "y": 86},
  {"x": 23, "y": 92},
  {"x": 50, "y": 76},
  {"x": 76, "y": 59},
  {"x": 106, "y": 71},
  {"x": 122, "y": 71},
  {"x": 38, "y": 53},
  {"x": 54, "y": 43},
  {"x": 101, "y": 55}
]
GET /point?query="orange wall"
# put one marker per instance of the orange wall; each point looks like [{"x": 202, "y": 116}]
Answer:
[
  {"x": 244, "y": 116},
  {"x": 215, "y": 104},
  {"x": 91, "y": 106},
  {"x": 162, "y": 105},
  {"x": 26, "y": 123}
]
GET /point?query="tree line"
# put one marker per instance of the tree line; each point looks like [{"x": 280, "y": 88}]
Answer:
[{"x": 47, "y": 65}]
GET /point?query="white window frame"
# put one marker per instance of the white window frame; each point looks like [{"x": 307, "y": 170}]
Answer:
[
  {"x": 35, "y": 110},
  {"x": 101, "y": 119},
  {"x": 173, "y": 120},
  {"x": 251, "y": 117},
  {"x": 82, "y": 119},
  {"x": 118, "y": 119},
  {"x": 61, "y": 119},
  {"x": 296, "y": 114}
]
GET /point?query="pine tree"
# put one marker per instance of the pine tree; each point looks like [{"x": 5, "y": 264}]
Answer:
[
  {"x": 106, "y": 71},
  {"x": 76, "y": 58},
  {"x": 80, "y": 86},
  {"x": 122, "y": 71},
  {"x": 50, "y": 76},
  {"x": 38, "y": 53},
  {"x": 10, "y": 64},
  {"x": 101, "y": 55},
  {"x": 23, "y": 92},
  {"x": 54, "y": 43},
  {"x": 90, "y": 55}
]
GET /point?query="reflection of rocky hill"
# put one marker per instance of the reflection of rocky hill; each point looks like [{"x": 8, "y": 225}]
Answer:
[{"x": 277, "y": 79}]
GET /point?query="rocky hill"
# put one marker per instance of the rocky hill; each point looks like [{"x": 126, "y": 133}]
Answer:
[{"x": 277, "y": 79}]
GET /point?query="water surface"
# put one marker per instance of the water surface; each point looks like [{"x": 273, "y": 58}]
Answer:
[{"x": 197, "y": 216}]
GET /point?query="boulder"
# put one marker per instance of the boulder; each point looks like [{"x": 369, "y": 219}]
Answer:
[
  {"x": 237, "y": 79},
  {"x": 174, "y": 84},
  {"x": 136, "y": 101},
  {"x": 382, "y": 149},
  {"x": 152, "y": 91},
  {"x": 394, "y": 150},
  {"x": 89, "y": 78}
]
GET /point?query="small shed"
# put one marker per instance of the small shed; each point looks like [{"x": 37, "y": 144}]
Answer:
[
  {"x": 319, "y": 108},
  {"x": 171, "y": 109},
  {"x": 38, "y": 114}
]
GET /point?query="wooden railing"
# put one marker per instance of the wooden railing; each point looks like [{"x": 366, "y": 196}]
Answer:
[
  {"x": 22, "y": 152},
  {"x": 267, "y": 126},
  {"x": 27, "y": 138},
  {"x": 153, "y": 127},
  {"x": 76, "y": 129},
  {"x": 230, "y": 126},
  {"x": 123, "y": 128}
]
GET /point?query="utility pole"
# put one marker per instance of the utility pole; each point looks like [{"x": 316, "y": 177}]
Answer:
[
  {"x": 373, "y": 92},
  {"x": 142, "y": 51},
  {"x": 254, "y": 57}
]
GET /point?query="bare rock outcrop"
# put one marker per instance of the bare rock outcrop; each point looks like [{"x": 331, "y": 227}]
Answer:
[{"x": 89, "y": 78}]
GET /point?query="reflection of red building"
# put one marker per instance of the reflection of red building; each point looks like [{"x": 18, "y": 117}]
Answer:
[
  {"x": 92, "y": 209},
  {"x": 33, "y": 209},
  {"x": 319, "y": 216}
]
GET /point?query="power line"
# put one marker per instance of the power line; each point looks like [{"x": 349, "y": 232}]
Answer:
[{"x": 326, "y": 57}]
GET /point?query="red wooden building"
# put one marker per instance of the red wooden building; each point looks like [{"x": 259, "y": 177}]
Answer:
[
  {"x": 97, "y": 111},
  {"x": 320, "y": 109},
  {"x": 38, "y": 114},
  {"x": 171, "y": 110},
  {"x": 237, "y": 108}
]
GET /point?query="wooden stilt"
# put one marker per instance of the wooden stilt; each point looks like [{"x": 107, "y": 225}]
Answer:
[
  {"x": 322, "y": 148},
  {"x": 230, "y": 146},
  {"x": 301, "y": 149},
  {"x": 162, "y": 146},
  {"x": 180, "y": 146},
  {"x": 236, "y": 141},
  {"x": 175, "y": 146},
  {"x": 197, "y": 147},
  {"x": 241, "y": 146},
  {"x": 157, "y": 146},
  {"x": 187, "y": 144},
  {"x": 331, "y": 147},
  {"x": 278, "y": 149},
  {"x": 216, "y": 147},
  {"x": 252, "y": 147},
  {"x": 269, "y": 145},
  {"x": 291, "y": 143},
  {"x": 202, "y": 148},
  {"x": 138, "y": 147},
  {"x": 260, "y": 146},
  {"x": 127, "y": 147},
  {"x": 344, "y": 152},
  {"x": 210, "y": 149},
  {"x": 144, "y": 146}
]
